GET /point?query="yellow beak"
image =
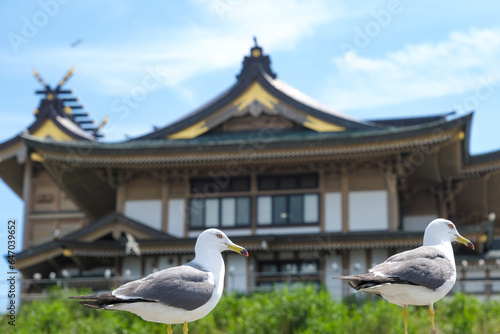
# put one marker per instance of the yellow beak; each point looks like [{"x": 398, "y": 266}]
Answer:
[
  {"x": 237, "y": 249},
  {"x": 466, "y": 242}
]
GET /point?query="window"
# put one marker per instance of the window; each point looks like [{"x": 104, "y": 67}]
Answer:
[
  {"x": 277, "y": 182},
  {"x": 291, "y": 209},
  {"x": 219, "y": 212},
  {"x": 274, "y": 274},
  {"x": 217, "y": 185},
  {"x": 309, "y": 267},
  {"x": 282, "y": 200}
]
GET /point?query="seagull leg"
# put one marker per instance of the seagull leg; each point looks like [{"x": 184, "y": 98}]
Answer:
[
  {"x": 431, "y": 313},
  {"x": 185, "y": 327},
  {"x": 169, "y": 329},
  {"x": 405, "y": 315}
]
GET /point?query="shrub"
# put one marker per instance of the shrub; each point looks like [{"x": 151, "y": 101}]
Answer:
[{"x": 304, "y": 310}]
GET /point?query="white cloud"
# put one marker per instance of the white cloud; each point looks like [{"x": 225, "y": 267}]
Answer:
[
  {"x": 214, "y": 42},
  {"x": 455, "y": 65}
]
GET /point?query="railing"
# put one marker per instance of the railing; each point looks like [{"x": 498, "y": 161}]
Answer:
[{"x": 486, "y": 287}]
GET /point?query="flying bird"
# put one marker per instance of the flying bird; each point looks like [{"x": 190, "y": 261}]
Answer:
[
  {"x": 132, "y": 245},
  {"x": 76, "y": 43},
  {"x": 175, "y": 295},
  {"x": 420, "y": 276}
]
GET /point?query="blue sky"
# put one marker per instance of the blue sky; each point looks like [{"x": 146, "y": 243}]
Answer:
[{"x": 367, "y": 59}]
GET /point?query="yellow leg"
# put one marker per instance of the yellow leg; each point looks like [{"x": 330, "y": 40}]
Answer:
[
  {"x": 185, "y": 327},
  {"x": 405, "y": 315},
  {"x": 431, "y": 313},
  {"x": 169, "y": 329}
]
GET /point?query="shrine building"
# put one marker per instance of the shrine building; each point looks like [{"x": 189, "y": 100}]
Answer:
[{"x": 310, "y": 192}]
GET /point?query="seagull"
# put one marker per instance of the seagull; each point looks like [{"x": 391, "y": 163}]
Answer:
[
  {"x": 420, "y": 276},
  {"x": 175, "y": 295},
  {"x": 132, "y": 245}
]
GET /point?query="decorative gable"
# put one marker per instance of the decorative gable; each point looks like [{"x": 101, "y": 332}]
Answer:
[{"x": 259, "y": 100}]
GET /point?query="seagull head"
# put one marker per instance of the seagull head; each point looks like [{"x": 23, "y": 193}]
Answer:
[
  {"x": 440, "y": 230},
  {"x": 217, "y": 239}
]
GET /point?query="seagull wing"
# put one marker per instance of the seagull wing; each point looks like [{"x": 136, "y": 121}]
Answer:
[
  {"x": 425, "y": 266},
  {"x": 183, "y": 287}
]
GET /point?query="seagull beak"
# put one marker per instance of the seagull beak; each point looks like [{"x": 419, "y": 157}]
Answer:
[
  {"x": 464, "y": 241},
  {"x": 237, "y": 249}
]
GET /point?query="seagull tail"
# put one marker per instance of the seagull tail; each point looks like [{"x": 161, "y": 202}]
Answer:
[
  {"x": 103, "y": 301},
  {"x": 353, "y": 280},
  {"x": 98, "y": 301}
]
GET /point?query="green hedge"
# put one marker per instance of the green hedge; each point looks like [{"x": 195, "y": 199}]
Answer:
[{"x": 295, "y": 310}]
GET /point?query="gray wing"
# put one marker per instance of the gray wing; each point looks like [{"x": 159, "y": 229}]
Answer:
[
  {"x": 424, "y": 266},
  {"x": 183, "y": 287},
  {"x": 429, "y": 252}
]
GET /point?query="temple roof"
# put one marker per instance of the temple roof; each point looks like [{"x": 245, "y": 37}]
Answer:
[
  {"x": 109, "y": 230},
  {"x": 408, "y": 121},
  {"x": 57, "y": 118},
  {"x": 374, "y": 137},
  {"x": 258, "y": 91}
]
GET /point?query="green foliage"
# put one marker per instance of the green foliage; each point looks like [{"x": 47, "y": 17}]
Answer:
[{"x": 302, "y": 310}]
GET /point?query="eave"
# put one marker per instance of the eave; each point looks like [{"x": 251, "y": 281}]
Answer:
[
  {"x": 222, "y": 148},
  {"x": 89, "y": 237},
  {"x": 326, "y": 242}
]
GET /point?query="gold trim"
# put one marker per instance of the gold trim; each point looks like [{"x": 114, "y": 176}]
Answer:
[
  {"x": 321, "y": 126},
  {"x": 36, "y": 157},
  {"x": 67, "y": 252},
  {"x": 49, "y": 129},
  {"x": 256, "y": 53},
  {"x": 67, "y": 76},
  {"x": 190, "y": 132},
  {"x": 255, "y": 93}
]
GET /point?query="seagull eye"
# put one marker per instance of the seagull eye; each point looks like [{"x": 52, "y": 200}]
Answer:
[
  {"x": 450, "y": 225},
  {"x": 219, "y": 236}
]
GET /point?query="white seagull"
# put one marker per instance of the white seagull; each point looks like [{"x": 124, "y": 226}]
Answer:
[
  {"x": 132, "y": 245},
  {"x": 175, "y": 295},
  {"x": 420, "y": 276}
]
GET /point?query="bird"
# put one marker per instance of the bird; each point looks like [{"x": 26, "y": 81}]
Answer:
[
  {"x": 132, "y": 245},
  {"x": 76, "y": 43},
  {"x": 419, "y": 276},
  {"x": 176, "y": 295}
]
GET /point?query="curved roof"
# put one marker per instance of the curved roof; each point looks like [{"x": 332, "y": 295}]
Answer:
[
  {"x": 258, "y": 86},
  {"x": 57, "y": 117}
]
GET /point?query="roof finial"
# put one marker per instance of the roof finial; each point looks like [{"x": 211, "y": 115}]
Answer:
[
  {"x": 35, "y": 73},
  {"x": 66, "y": 77},
  {"x": 255, "y": 40}
]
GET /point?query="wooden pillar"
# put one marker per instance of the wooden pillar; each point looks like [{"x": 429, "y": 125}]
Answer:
[
  {"x": 368, "y": 258},
  {"x": 344, "y": 189},
  {"x": 321, "y": 268},
  {"x": 392, "y": 199},
  {"x": 187, "y": 194},
  {"x": 27, "y": 179},
  {"x": 488, "y": 287},
  {"x": 442, "y": 203},
  {"x": 345, "y": 270},
  {"x": 121, "y": 194},
  {"x": 254, "y": 191},
  {"x": 321, "y": 199},
  {"x": 164, "y": 193}
]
